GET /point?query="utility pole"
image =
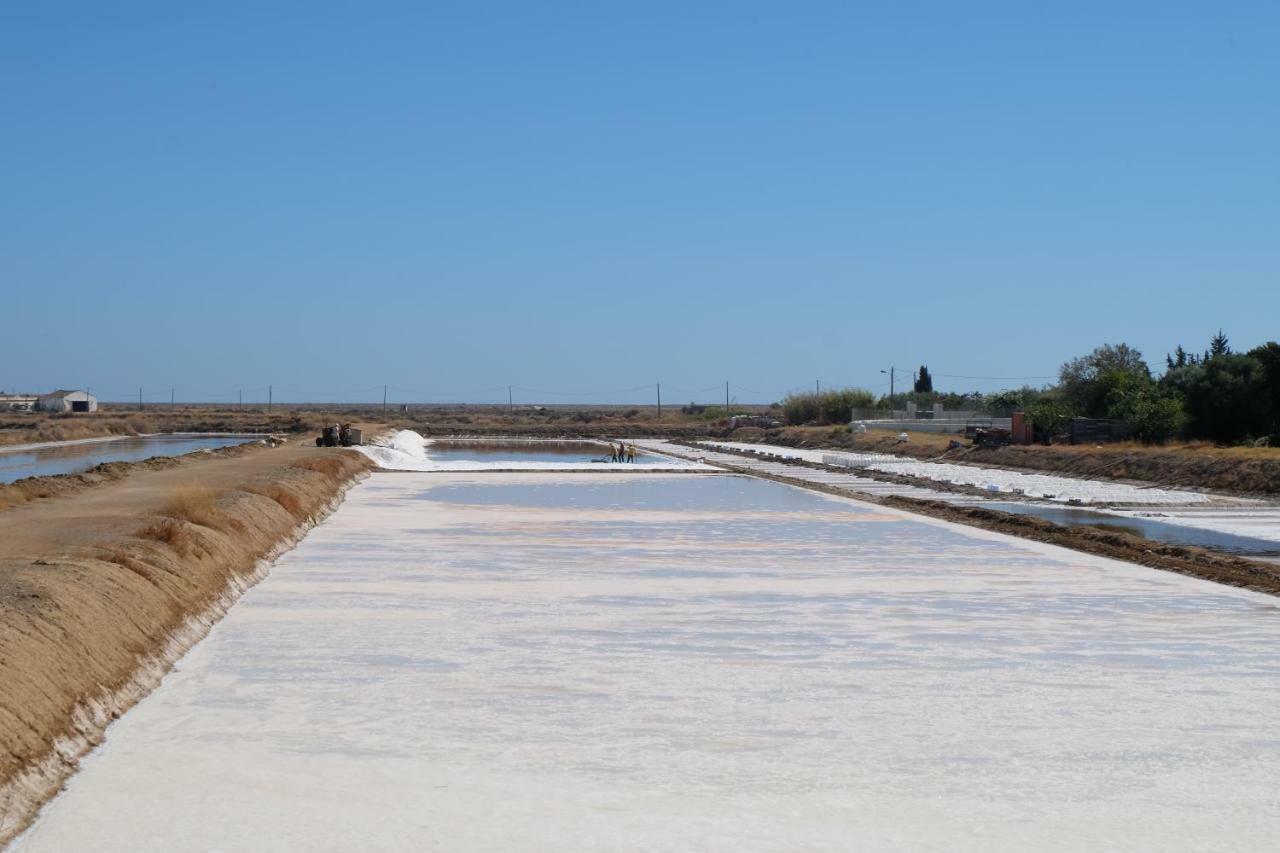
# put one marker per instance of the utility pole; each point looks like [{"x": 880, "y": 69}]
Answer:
[
  {"x": 270, "y": 395},
  {"x": 384, "y": 399},
  {"x": 511, "y": 406},
  {"x": 659, "y": 401},
  {"x": 171, "y": 399},
  {"x": 890, "y": 371},
  {"x": 240, "y": 398},
  {"x": 726, "y": 398},
  {"x": 817, "y": 387},
  {"x": 139, "y": 398}
]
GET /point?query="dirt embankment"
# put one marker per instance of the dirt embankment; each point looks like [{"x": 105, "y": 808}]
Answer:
[
  {"x": 101, "y": 589},
  {"x": 1234, "y": 470},
  {"x": 36, "y": 427},
  {"x": 30, "y": 489}
]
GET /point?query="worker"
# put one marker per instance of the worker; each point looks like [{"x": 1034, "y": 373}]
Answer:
[{"x": 631, "y": 453}]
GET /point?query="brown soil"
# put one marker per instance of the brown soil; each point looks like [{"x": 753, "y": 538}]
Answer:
[
  {"x": 104, "y": 586},
  {"x": 1233, "y": 470}
]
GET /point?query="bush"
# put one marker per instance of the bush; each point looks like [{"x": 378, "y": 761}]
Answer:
[
  {"x": 829, "y": 407},
  {"x": 288, "y": 501},
  {"x": 1153, "y": 414},
  {"x": 169, "y": 532},
  {"x": 1048, "y": 416},
  {"x": 195, "y": 504}
]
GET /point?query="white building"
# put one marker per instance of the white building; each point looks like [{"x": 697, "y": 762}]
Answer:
[
  {"x": 18, "y": 402},
  {"x": 68, "y": 401}
]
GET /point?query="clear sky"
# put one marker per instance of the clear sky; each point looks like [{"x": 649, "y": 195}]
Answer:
[{"x": 593, "y": 196}]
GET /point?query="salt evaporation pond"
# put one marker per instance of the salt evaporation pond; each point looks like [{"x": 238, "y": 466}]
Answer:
[
  {"x": 76, "y": 456},
  {"x": 406, "y": 450},
  {"x": 543, "y": 661},
  {"x": 1151, "y": 528},
  {"x": 995, "y": 480},
  {"x": 516, "y": 450}
]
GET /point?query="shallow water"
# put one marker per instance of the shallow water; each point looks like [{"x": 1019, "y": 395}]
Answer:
[
  {"x": 585, "y": 452},
  {"x": 74, "y": 458},
  {"x": 1174, "y": 534},
  {"x": 619, "y": 662}
]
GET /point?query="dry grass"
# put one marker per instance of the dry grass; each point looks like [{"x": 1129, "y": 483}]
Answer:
[
  {"x": 289, "y": 501},
  {"x": 195, "y": 504},
  {"x": 332, "y": 467},
  {"x": 169, "y": 532}
]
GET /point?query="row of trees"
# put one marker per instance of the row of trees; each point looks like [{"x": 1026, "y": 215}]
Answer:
[
  {"x": 1222, "y": 395},
  {"x": 1219, "y": 395}
]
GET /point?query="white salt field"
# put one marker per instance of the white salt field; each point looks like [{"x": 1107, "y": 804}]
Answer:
[
  {"x": 995, "y": 480},
  {"x": 566, "y": 661},
  {"x": 406, "y": 450}
]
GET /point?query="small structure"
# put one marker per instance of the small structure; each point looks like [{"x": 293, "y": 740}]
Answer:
[
  {"x": 18, "y": 402},
  {"x": 67, "y": 401},
  {"x": 1097, "y": 431}
]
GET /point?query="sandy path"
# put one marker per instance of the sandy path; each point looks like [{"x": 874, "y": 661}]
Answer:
[{"x": 96, "y": 515}]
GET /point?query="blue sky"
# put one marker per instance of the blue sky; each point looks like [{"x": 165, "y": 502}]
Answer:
[{"x": 584, "y": 197}]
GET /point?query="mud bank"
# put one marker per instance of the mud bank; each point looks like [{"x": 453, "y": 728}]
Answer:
[{"x": 101, "y": 592}]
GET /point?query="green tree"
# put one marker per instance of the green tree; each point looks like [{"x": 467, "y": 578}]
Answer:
[
  {"x": 1048, "y": 415},
  {"x": 1228, "y": 398},
  {"x": 1219, "y": 345},
  {"x": 924, "y": 382},
  {"x": 1086, "y": 382},
  {"x": 1151, "y": 412},
  {"x": 1268, "y": 355}
]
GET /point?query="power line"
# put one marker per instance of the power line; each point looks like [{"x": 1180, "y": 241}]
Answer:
[
  {"x": 645, "y": 387},
  {"x": 993, "y": 378}
]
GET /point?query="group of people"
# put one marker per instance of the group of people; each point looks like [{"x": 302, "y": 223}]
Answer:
[{"x": 622, "y": 452}]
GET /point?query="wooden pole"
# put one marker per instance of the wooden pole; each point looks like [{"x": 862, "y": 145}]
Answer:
[{"x": 659, "y": 401}]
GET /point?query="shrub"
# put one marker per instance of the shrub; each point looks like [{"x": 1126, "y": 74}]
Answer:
[
  {"x": 829, "y": 407},
  {"x": 330, "y": 466},
  {"x": 169, "y": 532},
  {"x": 195, "y": 504},
  {"x": 288, "y": 501}
]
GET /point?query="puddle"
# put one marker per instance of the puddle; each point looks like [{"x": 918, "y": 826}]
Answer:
[
  {"x": 74, "y": 458},
  {"x": 1171, "y": 534}
]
